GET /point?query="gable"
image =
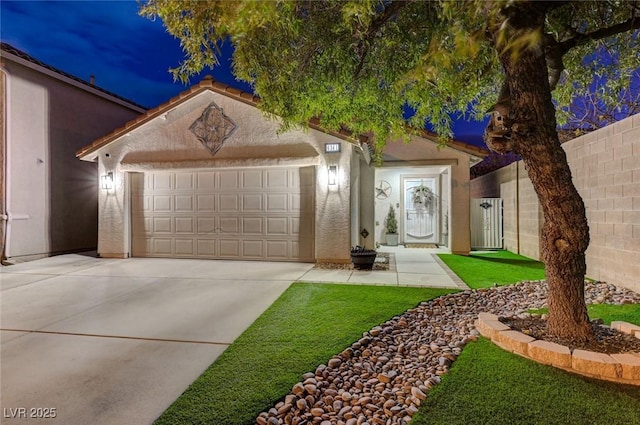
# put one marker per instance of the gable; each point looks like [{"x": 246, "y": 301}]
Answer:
[{"x": 163, "y": 134}]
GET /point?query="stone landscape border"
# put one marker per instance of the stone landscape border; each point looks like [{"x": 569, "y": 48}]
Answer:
[{"x": 622, "y": 368}]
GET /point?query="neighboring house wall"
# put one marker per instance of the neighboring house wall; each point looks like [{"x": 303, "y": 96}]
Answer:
[
  {"x": 51, "y": 196},
  {"x": 3, "y": 158},
  {"x": 606, "y": 171}
]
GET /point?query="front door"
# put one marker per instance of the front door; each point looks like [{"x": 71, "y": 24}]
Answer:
[{"x": 421, "y": 205}]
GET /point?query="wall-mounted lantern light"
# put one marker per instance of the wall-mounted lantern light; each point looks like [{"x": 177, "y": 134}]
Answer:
[
  {"x": 106, "y": 181},
  {"x": 333, "y": 175}
]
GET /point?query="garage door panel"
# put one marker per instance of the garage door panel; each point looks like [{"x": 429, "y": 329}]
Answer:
[
  {"x": 278, "y": 226},
  {"x": 161, "y": 225},
  {"x": 230, "y": 248},
  {"x": 294, "y": 228},
  {"x": 229, "y": 225},
  {"x": 261, "y": 214},
  {"x": 162, "y": 203},
  {"x": 229, "y": 203},
  {"x": 161, "y": 181},
  {"x": 162, "y": 246},
  {"x": 184, "y": 181},
  {"x": 206, "y": 203},
  {"x": 252, "y": 226},
  {"x": 206, "y": 248},
  {"x": 277, "y": 202},
  {"x": 295, "y": 202},
  {"x": 229, "y": 180},
  {"x": 253, "y": 248},
  {"x": 184, "y": 203},
  {"x": 278, "y": 249},
  {"x": 205, "y": 225},
  {"x": 206, "y": 180},
  {"x": 251, "y": 179},
  {"x": 184, "y": 247},
  {"x": 252, "y": 202},
  {"x": 278, "y": 179},
  {"x": 184, "y": 225}
]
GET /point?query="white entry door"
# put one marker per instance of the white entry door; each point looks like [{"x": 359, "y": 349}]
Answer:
[{"x": 420, "y": 203}]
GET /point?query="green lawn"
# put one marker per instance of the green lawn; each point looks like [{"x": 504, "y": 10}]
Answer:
[
  {"x": 488, "y": 385},
  {"x": 494, "y": 268},
  {"x": 305, "y": 327}
]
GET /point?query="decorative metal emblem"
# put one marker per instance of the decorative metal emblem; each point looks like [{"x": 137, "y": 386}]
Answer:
[
  {"x": 383, "y": 189},
  {"x": 486, "y": 205},
  {"x": 364, "y": 233},
  {"x": 213, "y": 128}
]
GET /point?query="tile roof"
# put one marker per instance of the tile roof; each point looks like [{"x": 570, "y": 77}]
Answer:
[
  {"x": 6, "y": 47},
  {"x": 208, "y": 83}
]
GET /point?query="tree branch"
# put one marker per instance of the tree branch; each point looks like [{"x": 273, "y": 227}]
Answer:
[
  {"x": 362, "y": 47},
  {"x": 628, "y": 25}
]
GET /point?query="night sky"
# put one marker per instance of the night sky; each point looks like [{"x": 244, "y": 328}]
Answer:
[{"x": 129, "y": 55}]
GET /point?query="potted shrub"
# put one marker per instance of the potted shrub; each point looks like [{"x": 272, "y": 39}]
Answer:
[
  {"x": 363, "y": 258},
  {"x": 391, "y": 224}
]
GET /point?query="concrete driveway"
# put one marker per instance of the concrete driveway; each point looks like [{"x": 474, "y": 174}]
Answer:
[{"x": 102, "y": 341}]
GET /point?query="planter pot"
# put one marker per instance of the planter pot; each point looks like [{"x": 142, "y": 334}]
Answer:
[
  {"x": 392, "y": 239},
  {"x": 363, "y": 260}
]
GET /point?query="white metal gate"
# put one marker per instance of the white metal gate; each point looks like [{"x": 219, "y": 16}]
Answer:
[{"x": 486, "y": 223}]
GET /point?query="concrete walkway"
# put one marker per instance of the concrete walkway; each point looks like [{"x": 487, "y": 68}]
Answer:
[
  {"x": 103, "y": 341},
  {"x": 419, "y": 267}
]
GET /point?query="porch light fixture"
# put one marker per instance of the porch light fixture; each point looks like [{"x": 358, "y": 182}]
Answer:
[
  {"x": 106, "y": 181},
  {"x": 333, "y": 175}
]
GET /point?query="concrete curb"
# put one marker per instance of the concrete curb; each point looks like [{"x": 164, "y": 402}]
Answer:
[{"x": 623, "y": 368}]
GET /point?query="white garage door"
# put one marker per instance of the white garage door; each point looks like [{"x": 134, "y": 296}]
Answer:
[{"x": 253, "y": 214}]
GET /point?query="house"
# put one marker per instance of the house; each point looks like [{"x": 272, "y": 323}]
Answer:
[
  {"x": 207, "y": 175},
  {"x": 48, "y": 199}
]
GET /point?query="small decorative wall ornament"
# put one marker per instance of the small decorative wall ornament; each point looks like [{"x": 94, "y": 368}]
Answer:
[
  {"x": 383, "y": 189},
  {"x": 213, "y": 128},
  {"x": 486, "y": 205},
  {"x": 364, "y": 233}
]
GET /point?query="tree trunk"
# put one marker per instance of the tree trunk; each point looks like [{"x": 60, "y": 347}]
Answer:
[{"x": 565, "y": 233}]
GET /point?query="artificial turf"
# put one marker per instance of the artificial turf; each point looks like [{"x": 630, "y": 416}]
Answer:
[
  {"x": 488, "y": 385},
  {"x": 487, "y": 269},
  {"x": 304, "y": 328}
]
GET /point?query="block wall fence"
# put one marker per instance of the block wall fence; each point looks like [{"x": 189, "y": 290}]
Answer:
[{"x": 605, "y": 165}]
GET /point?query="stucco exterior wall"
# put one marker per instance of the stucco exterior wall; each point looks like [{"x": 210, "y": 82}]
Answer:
[
  {"x": 418, "y": 156},
  {"x": 166, "y": 143},
  {"x": 367, "y": 212},
  {"x": 52, "y": 197},
  {"x": 605, "y": 165}
]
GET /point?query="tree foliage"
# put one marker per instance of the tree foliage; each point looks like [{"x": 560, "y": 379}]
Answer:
[{"x": 365, "y": 63}]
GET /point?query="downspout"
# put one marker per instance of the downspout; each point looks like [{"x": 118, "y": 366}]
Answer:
[
  {"x": 518, "y": 206},
  {"x": 6, "y": 175}
]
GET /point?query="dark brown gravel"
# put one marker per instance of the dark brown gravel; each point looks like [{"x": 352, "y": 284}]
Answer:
[{"x": 607, "y": 340}]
